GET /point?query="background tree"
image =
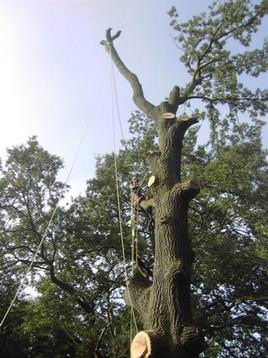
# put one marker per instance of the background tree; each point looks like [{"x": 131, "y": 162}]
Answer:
[
  {"x": 230, "y": 278},
  {"x": 77, "y": 256}
]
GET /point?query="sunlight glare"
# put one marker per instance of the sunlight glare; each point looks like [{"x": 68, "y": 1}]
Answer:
[{"x": 15, "y": 92}]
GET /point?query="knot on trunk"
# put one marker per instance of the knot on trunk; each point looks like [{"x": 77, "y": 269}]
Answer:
[{"x": 168, "y": 220}]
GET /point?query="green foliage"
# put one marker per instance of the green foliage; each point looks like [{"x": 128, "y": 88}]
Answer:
[
  {"x": 231, "y": 268},
  {"x": 212, "y": 47},
  {"x": 12, "y": 341},
  {"x": 29, "y": 193},
  {"x": 79, "y": 273}
]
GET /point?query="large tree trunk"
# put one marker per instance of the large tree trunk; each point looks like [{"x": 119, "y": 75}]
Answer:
[
  {"x": 164, "y": 304},
  {"x": 166, "y": 310}
]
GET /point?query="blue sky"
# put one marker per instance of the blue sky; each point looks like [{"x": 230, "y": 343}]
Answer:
[{"x": 52, "y": 70}]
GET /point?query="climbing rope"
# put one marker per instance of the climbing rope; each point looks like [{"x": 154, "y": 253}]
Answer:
[
  {"x": 77, "y": 152},
  {"x": 115, "y": 106},
  {"x": 134, "y": 236},
  {"x": 114, "y": 88},
  {"x": 30, "y": 266},
  {"x": 136, "y": 240},
  {"x": 134, "y": 218},
  {"x": 133, "y": 233}
]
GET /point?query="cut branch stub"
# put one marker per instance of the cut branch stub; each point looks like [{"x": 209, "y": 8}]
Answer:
[
  {"x": 148, "y": 344},
  {"x": 188, "y": 189},
  {"x": 187, "y": 121},
  {"x": 141, "y": 346},
  {"x": 168, "y": 115},
  {"x": 152, "y": 181}
]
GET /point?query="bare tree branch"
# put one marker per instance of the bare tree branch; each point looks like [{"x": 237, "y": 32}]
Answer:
[
  {"x": 138, "y": 96},
  {"x": 101, "y": 336}
]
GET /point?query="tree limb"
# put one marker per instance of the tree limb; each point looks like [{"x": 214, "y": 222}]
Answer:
[
  {"x": 227, "y": 99},
  {"x": 138, "y": 96},
  {"x": 101, "y": 336},
  {"x": 88, "y": 307},
  {"x": 188, "y": 189}
]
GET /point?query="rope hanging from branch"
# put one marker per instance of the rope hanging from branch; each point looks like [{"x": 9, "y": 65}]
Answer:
[
  {"x": 75, "y": 158},
  {"x": 115, "y": 105}
]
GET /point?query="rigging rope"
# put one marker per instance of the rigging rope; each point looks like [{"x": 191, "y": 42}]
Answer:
[
  {"x": 134, "y": 235},
  {"x": 82, "y": 138},
  {"x": 137, "y": 236},
  {"x": 134, "y": 218},
  {"x": 115, "y": 104},
  {"x": 114, "y": 87}
]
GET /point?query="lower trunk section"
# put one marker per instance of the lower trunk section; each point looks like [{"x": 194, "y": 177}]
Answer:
[
  {"x": 165, "y": 310},
  {"x": 165, "y": 304}
]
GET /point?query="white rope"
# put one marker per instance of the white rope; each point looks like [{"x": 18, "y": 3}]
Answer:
[
  {"x": 29, "y": 268},
  {"x": 115, "y": 100},
  {"x": 134, "y": 225},
  {"x": 134, "y": 235},
  {"x": 57, "y": 204},
  {"x": 137, "y": 236}
]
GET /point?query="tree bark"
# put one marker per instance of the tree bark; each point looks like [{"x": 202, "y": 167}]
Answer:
[{"x": 165, "y": 303}]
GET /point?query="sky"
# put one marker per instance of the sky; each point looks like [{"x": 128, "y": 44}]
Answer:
[{"x": 55, "y": 76}]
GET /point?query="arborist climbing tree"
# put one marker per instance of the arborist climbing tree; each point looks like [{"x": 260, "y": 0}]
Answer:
[
  {"x": 141, "y": 203},
  {"x": 164, "y": 303}
]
